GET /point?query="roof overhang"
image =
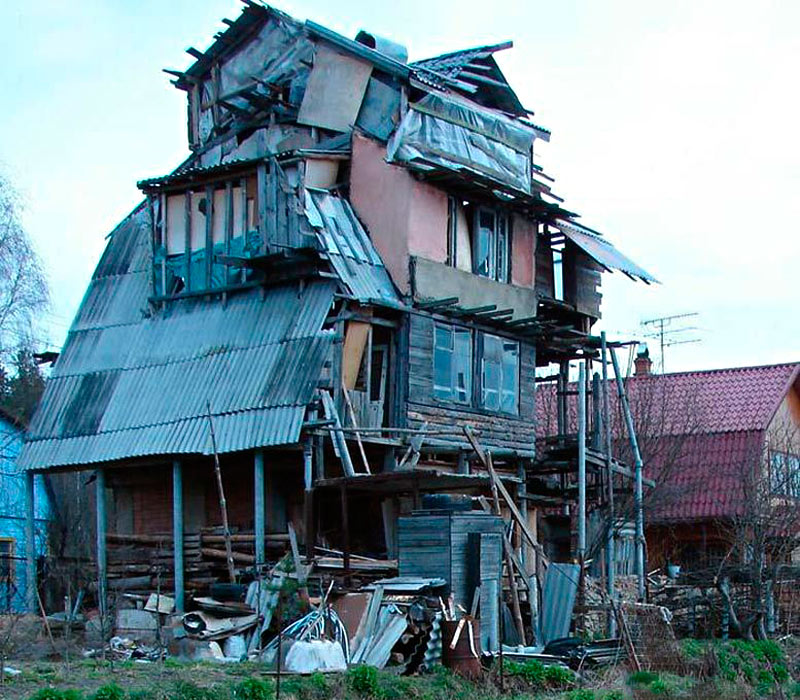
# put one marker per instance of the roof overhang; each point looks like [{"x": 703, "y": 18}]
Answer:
[{"x": 602, "y": 251}]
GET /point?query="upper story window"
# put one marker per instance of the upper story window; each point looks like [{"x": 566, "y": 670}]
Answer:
[
  {"x": 784, "y": 474},
  {"x": 452, "y": 363},
  {"x": 193, "y": 228},
  {"x": 491, "y": 244},
  {"x": 453, "y": 369},
  {"x": 499, "y": 373}
]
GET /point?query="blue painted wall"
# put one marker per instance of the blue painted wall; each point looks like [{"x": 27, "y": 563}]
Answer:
[{"x": 12, "y": 514}]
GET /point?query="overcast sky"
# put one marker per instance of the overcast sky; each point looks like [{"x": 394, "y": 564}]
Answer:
[{"x": 675, "y": 133}]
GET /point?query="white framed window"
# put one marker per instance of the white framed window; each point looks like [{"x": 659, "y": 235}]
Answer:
[
  {"x": 491, "y": 244},
  {"x": 499, "y": 374},
  {"x": 452, "y": 363}
]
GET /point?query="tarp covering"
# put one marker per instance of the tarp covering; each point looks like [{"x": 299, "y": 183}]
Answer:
[
  {"x": 603, "y": 252},
  {"x": 442, "y": 132}
]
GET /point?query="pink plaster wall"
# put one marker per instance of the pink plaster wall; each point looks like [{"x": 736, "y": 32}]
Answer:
[
  {"x": 427, "y": 234},
  {"x": 523, "y": 252},
  {"x": 381, "y": 194}
]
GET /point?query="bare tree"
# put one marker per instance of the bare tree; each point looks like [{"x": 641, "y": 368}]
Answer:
[
  {"x": 23, "y": 286},
  {"x": 763, "y": 532}
]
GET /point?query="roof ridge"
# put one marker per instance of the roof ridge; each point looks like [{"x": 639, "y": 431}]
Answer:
[{"x": 740, "y": 368}]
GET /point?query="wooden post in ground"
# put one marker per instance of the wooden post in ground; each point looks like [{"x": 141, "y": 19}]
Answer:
[
  {"x": 223, "y": 506},
  {"x": 30, "y": 544},
  {"x": 102, "y": 567},
  {"x": 177, "y": 534},
  {"x": 259, "y": 509}
]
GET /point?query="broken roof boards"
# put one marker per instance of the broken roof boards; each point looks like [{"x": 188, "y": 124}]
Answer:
[{"x": 334, "y": 91}]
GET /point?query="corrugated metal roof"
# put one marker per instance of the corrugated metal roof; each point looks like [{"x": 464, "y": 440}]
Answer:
[
  {"x": 132, "y": 381},
  {"x": 349, "y": 249},
  {"x": 601, "y": 250}
]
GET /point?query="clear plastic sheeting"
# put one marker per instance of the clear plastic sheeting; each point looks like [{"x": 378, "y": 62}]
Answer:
[{"x": 441, "y": 132}]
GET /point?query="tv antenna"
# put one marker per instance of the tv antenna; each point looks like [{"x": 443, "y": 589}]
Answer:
[{"x": 670, "y": 330}]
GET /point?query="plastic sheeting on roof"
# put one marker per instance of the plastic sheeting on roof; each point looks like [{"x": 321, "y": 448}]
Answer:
[
  {"x": 349, "y": 249},
  {"x": 600, "y": 250},
  {"x": 440, "y": 132}
]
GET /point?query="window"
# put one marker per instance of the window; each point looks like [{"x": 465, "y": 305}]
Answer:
[
  {"x": 491, "y": 249},
  {"x": 452, "y": 231},
  {"x": 558, "y": 273},
  {"x": 195, "y": 226},
  {"x": 6, "y": 560},
  {"x": 499, "y": 374},
  {"x": 784, "y": 474},
  {"x": 452, "y": 364}
]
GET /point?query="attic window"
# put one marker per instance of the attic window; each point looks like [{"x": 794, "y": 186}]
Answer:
[{"x": 194, "y": 227}]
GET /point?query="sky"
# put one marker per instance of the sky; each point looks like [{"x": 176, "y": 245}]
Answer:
[{"x": 675, "y": 133}]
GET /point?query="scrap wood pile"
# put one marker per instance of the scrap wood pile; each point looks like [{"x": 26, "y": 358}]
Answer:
[
  {"x": 391, "y": 622},
  {"x": 144, "y": 563},
  {"x": 698, "y": 607}
]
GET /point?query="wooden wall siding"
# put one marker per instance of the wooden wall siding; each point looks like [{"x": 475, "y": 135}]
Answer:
[
  {"x": 497, "y": 430},
  {"x": 465, "y": 549},
  {"x": 581, "y": 281}
]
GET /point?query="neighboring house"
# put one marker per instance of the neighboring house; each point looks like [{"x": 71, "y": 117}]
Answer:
[
  {"x": 355, "y": 241},
  {"x": 13, "y": 579},
  {"x": 724, "y": 448}
]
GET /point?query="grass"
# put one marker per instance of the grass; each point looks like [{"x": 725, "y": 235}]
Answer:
[{"x": 732, "y": 670}]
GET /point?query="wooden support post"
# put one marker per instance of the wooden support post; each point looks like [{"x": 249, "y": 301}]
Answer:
[
  {"x": 308, "y": 498},
  {"x": 177, "y": 533},
  {"x": 611, "y": 557},
  {"x": 637, "y": 487},
  {"x": 259, "y": 508},
  {"x": 223, "y": 506},
  {"x": 102, "y": 567},
  {"x": 582, "y": 462},
  {"x": 30, "y": 544},
  {"x": 345, "y": 532},
  {"x": 495, "y": 483}
]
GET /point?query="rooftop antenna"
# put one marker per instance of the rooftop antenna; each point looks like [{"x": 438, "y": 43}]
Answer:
[{"x": 670, "y": 330}]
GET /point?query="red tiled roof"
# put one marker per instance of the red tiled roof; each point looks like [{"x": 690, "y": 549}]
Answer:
[
  {"x": 698, "y": 433},
  {"x": 743, "y": 398},
  {"x": 705, "y": 479}
]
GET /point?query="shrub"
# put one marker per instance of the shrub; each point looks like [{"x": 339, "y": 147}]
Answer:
[
  {"x": 109, "y": 691},
  {"x": 253, "y": 689},
  {"x": 581, "y": 694},
  {"x": 364, "y": 680},
  {"x": 642, "y": 678},
  {"x": 184, "y": 690},
  {"x": 55, "y": 694},
  {"x": 613, "y": 695}
]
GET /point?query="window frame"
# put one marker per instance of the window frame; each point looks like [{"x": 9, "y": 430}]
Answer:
[
  {"x": 500, "y": 390},
  {"x": 437, "y": 389},
  {"x": 10, "y": 559},
  {"x": 499, "y": 244},
  {"x": 784, "y": 474}
]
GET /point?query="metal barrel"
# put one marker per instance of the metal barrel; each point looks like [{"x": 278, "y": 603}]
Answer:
[{"x": 461, "y": 659}]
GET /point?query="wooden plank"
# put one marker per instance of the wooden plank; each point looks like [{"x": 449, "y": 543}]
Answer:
[{"x": 498, "y": 484}]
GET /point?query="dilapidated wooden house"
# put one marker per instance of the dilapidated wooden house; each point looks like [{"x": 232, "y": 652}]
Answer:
[{"x": 344, "y": 295}]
